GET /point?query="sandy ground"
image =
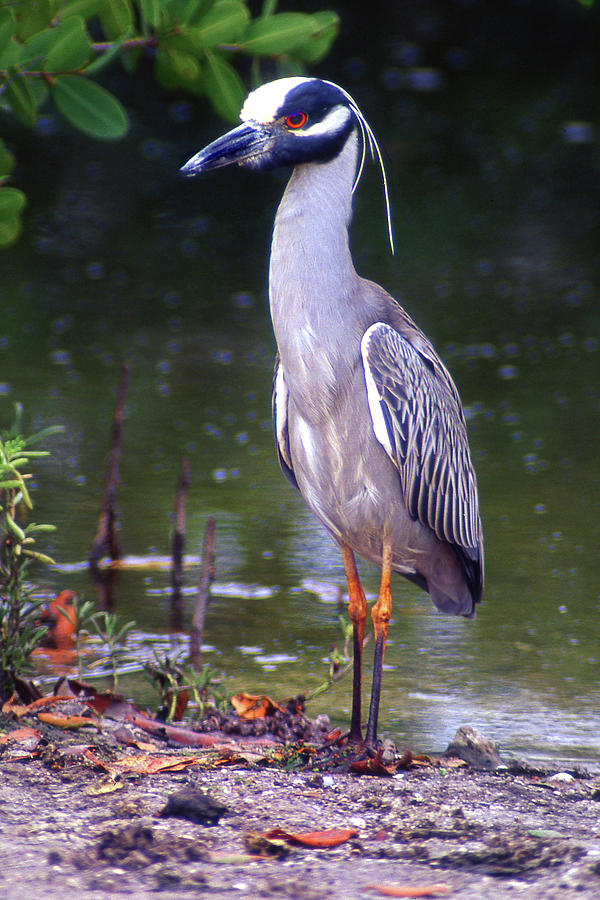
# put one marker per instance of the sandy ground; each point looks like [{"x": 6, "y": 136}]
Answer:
[{"x": 69, "y": 829}]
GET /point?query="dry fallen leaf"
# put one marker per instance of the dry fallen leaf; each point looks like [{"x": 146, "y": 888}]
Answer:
[
  {"x": 181, "y": 702},
  {"x": 67, "y": 722},
  {"x": 266, "y": 845},
  {"x": 104, "y": 787},
  {"x": 249, "y": 706},
  {"x": 453, "y": 762},
  {"x": 143, "y": 765},
  {"x": 61, "y": 625},
  {"x": 18, "y": 710},
  {"x": 14, "y": 707},
  {"x": 23, "y": 735},
  {"x": 332, "y": 837},
  {"x": 405, "y": 890},
  {"x": 373, "y": 765}
]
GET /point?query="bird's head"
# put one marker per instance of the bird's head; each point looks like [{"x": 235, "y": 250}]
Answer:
[
  {"x": 285, "y": 122},
  {"x": 289, "y": 122}
]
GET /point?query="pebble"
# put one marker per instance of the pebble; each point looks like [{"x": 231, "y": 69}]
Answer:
[{"x": 561, "y": 778}]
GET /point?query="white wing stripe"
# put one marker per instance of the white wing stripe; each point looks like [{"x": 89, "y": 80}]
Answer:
[
  {"x": 373, "y": 395},
  {"x": 280, "y": 406}
]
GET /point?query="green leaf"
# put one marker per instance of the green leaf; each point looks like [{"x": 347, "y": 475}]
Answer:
[
  {"x": 223, "y": 87},
  {"x": 12, "y": 202},
  {"x": 9, "y": 48},
  {"x": 7, "y": 160},
  {"x": 278, "y": 34},
  {"x": 89, "y": 107},
  {"x": 176, "y": 68},
  {"x": 187, "y": 12},
  {"x": 151, "y": 14},
  {"x": 105, "y": 58},
  {"x": 187, "y": 67},
  {"x": 131, "y": 60},
  {"x": 326, "y": 27},
  {"x": 41, "y": 436},
  {"x": 41, "y": 557},
  {"x": 32, "y": 16},
  {"x": 117, "y": 19},
  {"x": 84, "y": 8},
  {"x": 19, "y": 95},
  {"x": 71, "y": 47},
  {"x": 39, "y": 91},
  {"x": 35, "y": 49},
  {"x": 225, "y": 23},
  {"x": 165, "y": 70}
]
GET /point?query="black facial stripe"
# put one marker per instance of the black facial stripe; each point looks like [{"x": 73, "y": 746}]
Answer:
[{"x": 315, "y": 98}]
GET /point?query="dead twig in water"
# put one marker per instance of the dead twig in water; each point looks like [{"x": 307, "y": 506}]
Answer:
[
  {"x": 106, "y": 539},
  {"x": 178, "y": 544},
  {"x": 207, "y": 574}
]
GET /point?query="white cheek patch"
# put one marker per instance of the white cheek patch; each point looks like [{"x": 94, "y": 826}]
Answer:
[
  {"x": 263, "y": 103},
  {"x": 333, "y": 122},
  {"x": 373, "y": 397}
]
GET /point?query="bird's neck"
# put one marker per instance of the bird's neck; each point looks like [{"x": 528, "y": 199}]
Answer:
[{"x": 312, "y": 275}]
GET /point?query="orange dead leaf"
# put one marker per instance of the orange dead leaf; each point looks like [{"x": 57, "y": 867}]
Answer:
[
  {"x": 66, "y": 722},
  {"x": 61, "y": 628},
  {"x": 319, "y": 840},
  {"x": 372, "y": 766},
  {"x": 46, "y": 701},
  {"x": 17, "y": 709},
  {"x": 405, "y": 890},
  {"x": 181, "y": 702},
  {"x": 453, "y": 762},
  {"x": 143, "y": 765},
  {"x": 13, "y": 706},
  {"x": 249, "y": 706},
  {"x": 22, "y": 735},
  {"x": 146, "y": 746}
]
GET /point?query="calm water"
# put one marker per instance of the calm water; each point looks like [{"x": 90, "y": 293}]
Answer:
[{"x": 496, "y": 260}]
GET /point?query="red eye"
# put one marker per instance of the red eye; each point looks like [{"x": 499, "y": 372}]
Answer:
[{"x": 296, "y": 120}]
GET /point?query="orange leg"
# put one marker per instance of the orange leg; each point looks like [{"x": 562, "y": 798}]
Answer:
[
  {"x": 357, "y": 610},
  {"x": 381, "y": 614}
]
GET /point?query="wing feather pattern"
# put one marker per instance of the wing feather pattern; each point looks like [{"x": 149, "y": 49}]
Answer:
[
  {"x": 280, "y": 422},
  {"x": 418, "y": 419}
]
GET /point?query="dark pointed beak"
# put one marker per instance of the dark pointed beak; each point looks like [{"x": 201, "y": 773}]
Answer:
[{"x": 245, "y": 143}]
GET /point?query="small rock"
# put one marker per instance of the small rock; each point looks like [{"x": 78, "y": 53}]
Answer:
[
  {"x": 474, "y": 748},
  {"x": 323, "y": 722},
  {"x": 388, "y": 752},
  {"x": 561, "y": 778},
  {"x": 328, "y": 781},
  {"x": 194, "y": 805}
]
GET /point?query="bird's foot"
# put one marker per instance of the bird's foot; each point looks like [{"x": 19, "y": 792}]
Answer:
[{"x": 352, "y": 753}]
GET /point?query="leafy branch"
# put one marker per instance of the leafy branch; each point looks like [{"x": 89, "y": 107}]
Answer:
[
  {"x": 20, "y": 631},
  {"x": 47, "y": 52}
]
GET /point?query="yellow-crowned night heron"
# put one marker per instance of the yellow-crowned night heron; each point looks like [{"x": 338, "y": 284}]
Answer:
[{"x": 368, "y": 423}]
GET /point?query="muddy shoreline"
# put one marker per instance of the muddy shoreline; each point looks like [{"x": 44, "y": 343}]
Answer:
[{"x": 69, "y": 828}]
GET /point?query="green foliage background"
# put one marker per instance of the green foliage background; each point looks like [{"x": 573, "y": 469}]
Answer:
[{"x": 53, "y": 50}]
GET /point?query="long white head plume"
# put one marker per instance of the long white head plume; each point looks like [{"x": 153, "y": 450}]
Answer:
[{"x": 369, "y": 139}]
